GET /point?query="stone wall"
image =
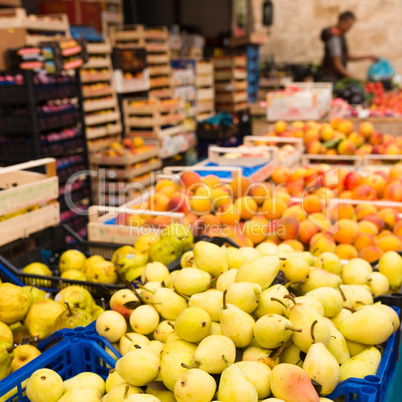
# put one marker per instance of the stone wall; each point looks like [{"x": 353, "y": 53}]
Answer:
[{"x": 294, "y": 36}]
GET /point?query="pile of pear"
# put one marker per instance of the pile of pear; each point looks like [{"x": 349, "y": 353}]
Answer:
[
  {"x": 127, "y": 262},
  {"x": 220, "y": 329},
  {"x": 28, "y": 315}
]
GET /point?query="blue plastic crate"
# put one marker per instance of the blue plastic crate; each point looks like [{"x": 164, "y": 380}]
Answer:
[
  {"x": 68, "y": 358},
  {"x": 385, "y": 371},
  {"x": 253, "y": 60},
  {"x": 355, "y": 393}
]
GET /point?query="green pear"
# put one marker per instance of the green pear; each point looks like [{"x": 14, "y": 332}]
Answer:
[
  {"x": 361, "y": 365},
  {"x": 354, "y": 273},
  {"x": 72, "y": 259},
  {"x": 138, "y": 367},
  {"x": 266, "y": 249},
  {"x": 195, "y": 385},
  {"x": 42, "y": 316},
  {"x": 81, "y": 394},
  {"x": 166, "y": 250},
  {"x": 379, "y": 284},
  {"x": 295, "y": 269},
  {"x": 226, "y": 279},
  {"x": 44, "y": 385},
  {"x": 173, "y": 365},
  {"x": 356, "y": 295},
  {"x": 112, "y": 325},
  {"x": 210, "y": 258},
  {"x": 155, "y": 272},
  {"x": 6, "y": 359},
  {"x": 168, "y": 303},
  {"x": 144, "y": 319},
  {"x": 292, "y": 355},
  {"x": 190, "y": 281},
  {"x": 340, "y": 317},
  {"x": 181, "y": 233},
  {"x": 330, "y": 262},
  {"x": 269, "y": 306},
  {"x": 292, "y": 384},
  {"x": 338, "y": 347},
  {"x": 254, "y": 353},
  {"x": 86, "y": 380},
  {"x": 330, "y": 298},
  {"x": 258, "y": 373},
  {"x": 318, "y": 278},
  {"x": 244, "y": 295},
  {"x": 72, "y": 318},
  {"x": 163, "y": 330},
  {"x": 120, "y": 392},
  {"x": 272, "y": 330},
  {"x": 193, "y": 324},
  {"x": 210, "y": 301},
  {"x": 322, "y": 367},
  {"x": 234, "y": 386},
  {"x": 209, "y": 352},
  {"x": 369, "y": 326},
  {"x": 14, "y": 303},
  {"x": 236, "y": 324},
  {"x": 262, "y": 270},
  {"x": 112, "y": 380},
  {"x": 390, "y": 265},
  {"x": 311, "y": 323}
]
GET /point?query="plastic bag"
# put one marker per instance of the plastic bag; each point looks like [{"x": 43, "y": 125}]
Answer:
[{"x": 381, "y": 70}]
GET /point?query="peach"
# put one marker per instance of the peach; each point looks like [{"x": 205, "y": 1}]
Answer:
[
  {"x": 315, "y": 147},
  {"x": 371, "y": 253},
  {"x": 389, "y": 216},
  {"x": 295, "y": 211},
  {"x": 320, "y": 220},
  {"x": 383, "y": 174},
  {"x": 307, "y": 230},
  {"x": 243, "y": 241},
  {"x": 210, "y": 220},
  {"x": 393, "y": 191},
  {"x": 200, "y": 205},
  {"x": 345, "y": 127},
  {"x": 352, "y": 180},
  {"x": 364, "y": 192},
  {"x": 366, "y": 128},
  {"x": 346, "y": 147},
  {"x": 389, "y": 243},
  {"x": 274, "y": 208},
  {"x": 357, "y": 139},
  {"x": 299, "y": 173},
  {"x": 288, "y": 228},
  {"x": 324, "y": 193},
  {"x": 228, "y": 215},
  {"x": 342, "y": 211},
  {"x": 167, "y": 190},
  {"x": 164, "y": 183},
  {"x": 364, "y": 209},
  {"x": 311, "y": 135},
  {"x": 283, "y": 195},
  {"x": 376, "y": 182},
  {"x": 378, "y": 149},
  {"x": 296, "y": 188},
  {"x": 239, "y": 186},
  {"x": 346, "y": 195},
  {"x": 346, "y": 251},
  {"x": 398, "y": 228},
  {"x": 260, "y": 192},
  {"x": 374, "y": 218},
  {"x": 384, "y": 233},
  {"x": 331, "y": 152},
  {"x": 392, "y": 149},
  {"x": 295, "y": 244},
  {"x": 345, "y": 231},
  {"x": 280, "y": 126},
  {"x": 368, "y": 227},
  {"x": 376, "y": 138},
  {"x": 396, "y": 171},
  {"x": 319, "y": 236},
  {"x": 158, "y": 202},
  {"x": 255, "y": 231},
  {"x": 281, "y": 174},
  {"x": 246, "y": 207},
  {"x": 365, "y": 149},
  {"x": 326, "y": 132},
  {"x": 190, "y": 218},
  {"x": 298, "y": 124},
  {"x": 179, "y": 202},
  {"x": 311, "y": 175},
  {"x": 311, "y": 204},
  {"x": 161, "y": 221},
  {"x": 322, "y": 246},
  {"x": 363, "y": 240},
  {"x": 219, "y": 197},
  {"x": 190, "y": 180},
  {"x": 211, "y": 181}
]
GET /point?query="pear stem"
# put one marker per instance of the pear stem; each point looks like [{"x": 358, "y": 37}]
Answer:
[
  {"x": 103, "y": 303},
  {"x": 343, "y": 294},
  {"x": 225, "y": 360},
  {"x": 312, "y": 330},
  {"x": 190, "y": 366},
  {"x": 70, "y": 312},
  {"x": 181, "y": 294},
  {"x": 163, "y": 284},
  {"x": 291, "y": 298},
  {"x": 224, "y": 299},
  {"x": 126, "y": 391},
  {"x": 350, "y": 309},
  {"x": 294, "y": 329},
  {"x": 279, "y": 301},
  {"x": 138, "y": 295},
  {"x": 279, "y": 351},
  {"x": 169, "y": 323},
  {"x": 128, "y": 337}
]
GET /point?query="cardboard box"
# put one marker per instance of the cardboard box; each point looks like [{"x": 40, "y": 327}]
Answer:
[{"x": 10, "y": 38}]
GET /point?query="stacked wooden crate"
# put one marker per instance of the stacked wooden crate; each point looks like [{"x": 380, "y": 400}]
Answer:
[
  {"x": 102, "y": 116},
  {"x": 205, "y": 90},
  {"x": 35, "y": 28},
  {"x": 158, "y": 59},
  {"x": 230, "y": 83},
  {"x": 127, "y": 36},
  {"x": 111, "y": 14}
]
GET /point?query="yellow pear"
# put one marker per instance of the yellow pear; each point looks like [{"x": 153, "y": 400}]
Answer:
[
  {"x": 390, "y": 265},
  {"x": 23, "y": 354},
  {"x": 361, "y": 365},
  {"x": 72, "y": 259},
  {"x": 269, "y": 306},
  {"x": 195, "y": 385},
  {"x": 14, "y": 303},
  {"x": 210, "y": 301}
]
